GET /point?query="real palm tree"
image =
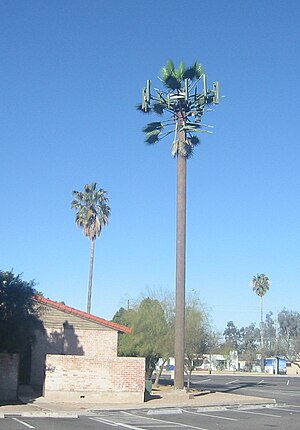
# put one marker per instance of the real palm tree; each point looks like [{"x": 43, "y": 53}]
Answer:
[
  {"x": 92, "y": 214},
  {"x": 260, "y": 285},
  {"x": 185, "y": 109}
]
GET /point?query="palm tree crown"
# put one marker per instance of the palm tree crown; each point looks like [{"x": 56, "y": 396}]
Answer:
[
  {"x": 92, "y": 210},
  {"x": 183, "y": 102},
  {"x": 260, "y": 284},
  {"x": 92, "y": 213}
]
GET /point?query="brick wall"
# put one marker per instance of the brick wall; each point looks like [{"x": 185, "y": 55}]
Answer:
[
  {"x": 9, "y": 366},
  {"x": 71, "y": 341},
  {"x": 105, "y": 380}
]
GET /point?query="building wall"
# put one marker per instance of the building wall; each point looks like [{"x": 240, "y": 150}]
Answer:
[
  {"x": 105, "y": 380},
  {"x": 70, "y": 340},
  {"x": 9, "y": 366},
  {"x": 293, "y": 368}
]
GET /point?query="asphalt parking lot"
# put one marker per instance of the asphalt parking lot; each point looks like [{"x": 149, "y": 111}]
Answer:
[
  {"x": 281, "y": 417},
  {"x": 284, "y": 389},
  {"x": 283, "y": 414}
]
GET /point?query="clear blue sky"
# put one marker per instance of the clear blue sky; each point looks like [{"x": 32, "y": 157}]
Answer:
[{"x": 71, "y": 74}]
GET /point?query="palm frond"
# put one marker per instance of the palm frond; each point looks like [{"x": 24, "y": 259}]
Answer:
[
  {"x": 159, "y": 108},
  {"x": 172, "y": 82},
  {"x": 194, "y": 140},
  {"x": 168, "y": 69},
  {"x": 153, "y": 126},
  {"x": 194, "y": 72},
  {"x": 175, "y": 147},
  {"x": 191, "y": 127},
  {"x": 183, "y": 148},
  {"x": 152, "y": 137},
  {"x": 180, "y": 71}
]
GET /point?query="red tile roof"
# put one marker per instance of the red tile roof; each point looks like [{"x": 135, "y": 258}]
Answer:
[{"x": 81, "y": 314}]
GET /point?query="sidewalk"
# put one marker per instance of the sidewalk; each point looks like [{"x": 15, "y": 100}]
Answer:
[{"x": 161, "y": 397}]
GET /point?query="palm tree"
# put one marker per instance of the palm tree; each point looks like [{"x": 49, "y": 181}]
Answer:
[
  {"x": 260, "y": 285},
  {"x": 185, "y": 106},
  {"x": 92, "y": 213}
]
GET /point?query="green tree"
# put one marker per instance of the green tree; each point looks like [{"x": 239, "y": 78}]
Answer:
[
  {"x": 18, "y": 313},
  {"x": 92, "y": 214},
  {"x": 185, "y": 107},
  {"x": 232, "y": 336},
  {"x": 199, "y": 337},
  {"x": 289, "y": 334},
  {"x": 149, "y": 332},
  {"x": 250, "y": 338},
  {"x": 270, "y": 335}
]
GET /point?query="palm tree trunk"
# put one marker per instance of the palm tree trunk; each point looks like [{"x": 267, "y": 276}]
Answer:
[
  {"x": 262, "y": 333},
  {"x": 180, "y": 265},
  {"x": 89, "y": 299}
]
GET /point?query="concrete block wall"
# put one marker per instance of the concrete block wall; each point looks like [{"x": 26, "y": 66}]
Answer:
[
  {"x": 9, "y": 368},
  {"x": 105, "y": 380}
]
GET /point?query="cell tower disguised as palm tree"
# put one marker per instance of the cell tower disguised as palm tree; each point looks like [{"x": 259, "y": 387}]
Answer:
[
  {"x": 184, "y": 105},
  {"x": 92, "y": 213},
  {"x": 260, "y": 285}
]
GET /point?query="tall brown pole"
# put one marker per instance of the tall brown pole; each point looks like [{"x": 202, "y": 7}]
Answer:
[{"x": 180, "y": 262}]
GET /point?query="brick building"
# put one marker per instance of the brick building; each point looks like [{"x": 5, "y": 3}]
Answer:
[{"x": 75, "y": 358}]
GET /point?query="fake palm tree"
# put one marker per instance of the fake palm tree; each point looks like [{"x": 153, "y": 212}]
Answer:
[
  {"x": 183, "y": 106},
  {"x": 92, "y": 214},
  {"x": 260, "y": 285}
]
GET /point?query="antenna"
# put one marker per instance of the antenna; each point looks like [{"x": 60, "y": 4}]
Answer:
[
  {"x": 216, "y": 91},
  {"x": 186, "y": 90},
  {"x": 204, "y": 85},
  {"x": 148, "y": 91}
]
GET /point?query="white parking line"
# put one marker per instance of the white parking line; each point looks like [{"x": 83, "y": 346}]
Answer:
[
  {"x": 163, "y": 422},
  {"x": 287, "y": 410},
  {"x": 24, "y": 424},
  {"x": 99, "y": 420},
  {"x": 278, "y": 393},
  {"x": 260, "y": 382},
  {"x": 288, "y": 382},
  {"x": 258, "y": 413},
  {"x": 232, "y": 382},
  {"x": 208, "y": 415}
]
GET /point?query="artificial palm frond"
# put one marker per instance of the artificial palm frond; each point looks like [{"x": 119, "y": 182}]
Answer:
[
  {"x": 172, "y": 82},
  {"x": 152, "y": 137},
  {"x": 194, "y": 140},
  {"x": 191, "y": 127},
  {"x": 183, "y": 148},
  {"x": 153, "y": 126},
  {"x": 175, "y": 147},
  {"x": 167, "y": 70},
  {"x": 180, "y": 71},
  {"x": 194, "y": 72},
  {"x": 159, "y": 108}
]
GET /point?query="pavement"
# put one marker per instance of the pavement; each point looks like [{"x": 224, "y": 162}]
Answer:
[{"x": 161, "y": 397}]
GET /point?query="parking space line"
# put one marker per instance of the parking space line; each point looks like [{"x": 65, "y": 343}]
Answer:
[
  {"x": 99, "y": 420},
  {"x": 208, "y": 415},
  {"x": 287, "y": 410},
  {"x": 232, "y": 382},
  {"x": 173, "y": 423},
  {"x": 257, "y": 413},
  {"x": 24, "y": 424}
]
